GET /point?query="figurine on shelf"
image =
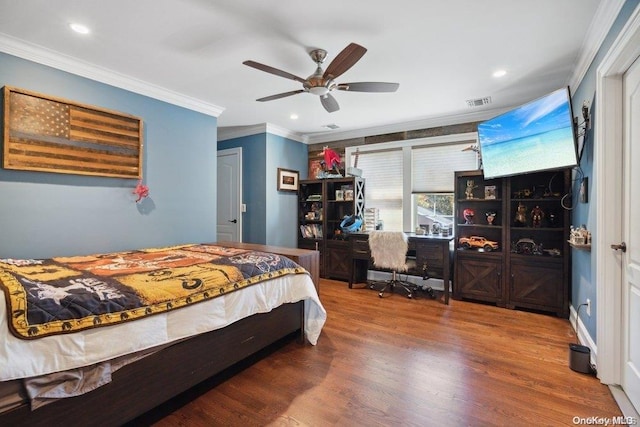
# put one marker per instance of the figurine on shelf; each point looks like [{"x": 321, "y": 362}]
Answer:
[
  {"x": 468, "y": 192},
  {"x": 468, "y": 215},
  {"x": 491, "y": 216},
  {"x": 537, "y": 215},
  {"x": 579, "y": 235},
  {"x": 436, "y": 228},
  {"x": 521, "y": 216}
]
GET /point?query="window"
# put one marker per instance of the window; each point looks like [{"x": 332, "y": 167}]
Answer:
[
  {"x": 411, "y": 182},
  {"x": 433, "y": 173},
  {"x": 431, "y": 208},
  {"x": 382, "y": 171}
]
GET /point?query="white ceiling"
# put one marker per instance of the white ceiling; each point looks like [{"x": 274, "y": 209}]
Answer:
[{"x": 442, "y": 53}]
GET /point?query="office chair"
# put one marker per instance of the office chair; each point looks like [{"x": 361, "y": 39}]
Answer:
[{"x": 389, "y": 251}]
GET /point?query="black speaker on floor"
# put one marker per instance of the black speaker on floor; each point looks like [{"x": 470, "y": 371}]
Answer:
[{"x": 580, "y": 358}]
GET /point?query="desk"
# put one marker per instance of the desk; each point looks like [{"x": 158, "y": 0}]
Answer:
[{"x": 432, "y": 254}]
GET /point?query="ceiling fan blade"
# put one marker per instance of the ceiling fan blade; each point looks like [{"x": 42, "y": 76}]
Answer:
[
  {"x": 280, "y": 95},
  {"x": 329, "y": 103},
  {"x": 345, "y": 60},
  {"x": 272, "y": 70},
  {"x": 369, "y": 87}
]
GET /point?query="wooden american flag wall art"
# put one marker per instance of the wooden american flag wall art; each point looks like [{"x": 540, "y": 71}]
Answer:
[{"x": 47, "y": 134}]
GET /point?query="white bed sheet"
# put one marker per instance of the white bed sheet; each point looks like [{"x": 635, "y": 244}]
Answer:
[{"x": 27, "y": 358}]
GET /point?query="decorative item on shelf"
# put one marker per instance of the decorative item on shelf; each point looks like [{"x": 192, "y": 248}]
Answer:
[
  {"x": 468, "y": 215},
  {"x": 521, "y": 216},
  {"x": 537, "y": 216},
  {"x": 316, "y": 169},
  {"x": 420, "y": 231},
  {"x": 348, "y": 195},
  {"x": 436, "y": 228},
  {"x": 490, "y": 192},
  {"x": 471, "y": 185},
  {"x": 478, "y": 242},
  {"x": 552, "y": 219},
  {"x": 331, "y": 164},
  {"x": 339, "y": 195},
  {"x": 491, "y": 217},
  {"x": 579, "y": 235},
  {"x": 524, "y": 193},
  {"x": 354, "y": 170},
  {"x": 526, "y": 246},
  {"x": 351, "y": 223}
]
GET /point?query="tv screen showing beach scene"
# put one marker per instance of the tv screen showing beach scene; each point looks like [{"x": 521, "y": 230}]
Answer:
[{"x": 536, "y": 136}]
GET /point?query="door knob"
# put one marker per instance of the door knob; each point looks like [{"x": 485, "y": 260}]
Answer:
[
  {"x": 233, "y": 220},
  {"x": 621, "y": 247}
]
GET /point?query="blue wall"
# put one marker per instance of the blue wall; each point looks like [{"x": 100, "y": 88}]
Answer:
[
  {"x": 583, "y": 265},
  {"x": 282, "y": 206},
  {"x": 49, "y": 214},
  {"x": 271, "y": 216}
]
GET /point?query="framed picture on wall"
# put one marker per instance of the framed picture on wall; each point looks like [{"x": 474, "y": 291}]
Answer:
[{"x": 288, "y": 180}]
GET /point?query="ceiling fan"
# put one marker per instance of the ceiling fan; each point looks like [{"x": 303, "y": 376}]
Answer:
[{"x": 321, "y": 82}]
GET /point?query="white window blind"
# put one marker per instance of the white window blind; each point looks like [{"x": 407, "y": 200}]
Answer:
[
  {"x": 433, "y": 166},
  {"x": 382, "y": 171}
]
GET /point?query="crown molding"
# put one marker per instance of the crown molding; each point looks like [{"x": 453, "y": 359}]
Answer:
[
  {"x": 285, "y": 133},
  {"x": 231, "y": 132},
  {"x": 44, "y": 56},
  {"x": 600, "y": 26}
]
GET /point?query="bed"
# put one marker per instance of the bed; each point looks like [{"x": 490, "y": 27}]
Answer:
[{"x": 151, "y": 357}]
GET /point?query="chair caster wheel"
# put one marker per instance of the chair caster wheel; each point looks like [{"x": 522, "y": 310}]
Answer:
[
  {"x": 380, "y": 294},
  {"x": 431, "y": 293},
  {"x": 410, "y": 296}
]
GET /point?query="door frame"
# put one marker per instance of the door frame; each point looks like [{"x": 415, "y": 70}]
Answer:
[
  {"x": 608, "y": 163},
  {"x": 238, "y": 152}
]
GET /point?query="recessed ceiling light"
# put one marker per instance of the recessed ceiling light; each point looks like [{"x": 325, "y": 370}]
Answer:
[
  {"x": 79, "y": 28},
  {"x": 293, "y": 116},
  {"x": 499, "y": 73}
]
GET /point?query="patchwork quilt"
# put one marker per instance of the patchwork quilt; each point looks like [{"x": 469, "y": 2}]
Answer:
[{"x": 67, "y": 294}]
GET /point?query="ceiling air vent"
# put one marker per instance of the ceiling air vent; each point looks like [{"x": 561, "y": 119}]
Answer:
[
  {"x": 478, "y": 102},
  {"x": 331, "y": 126}
]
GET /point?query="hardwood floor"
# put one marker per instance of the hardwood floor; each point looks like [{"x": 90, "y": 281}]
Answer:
[{"x": 395, "y": 361}]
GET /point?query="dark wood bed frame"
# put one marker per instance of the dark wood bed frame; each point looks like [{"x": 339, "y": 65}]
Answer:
[{"x": 147, "y": 383}]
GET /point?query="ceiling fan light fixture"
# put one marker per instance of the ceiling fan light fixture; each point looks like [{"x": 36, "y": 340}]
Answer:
[{"x": 319, "y": 90}]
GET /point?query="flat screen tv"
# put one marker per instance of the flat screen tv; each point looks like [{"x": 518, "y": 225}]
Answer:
[{"x": 535, "y": 136}]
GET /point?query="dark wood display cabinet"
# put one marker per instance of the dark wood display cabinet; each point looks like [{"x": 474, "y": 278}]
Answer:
[
  {"x": 322, "y": 206},
  {"x": 511, "y": 240}
]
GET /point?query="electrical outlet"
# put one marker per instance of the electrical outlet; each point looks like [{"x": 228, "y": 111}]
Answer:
[{"x": 588, "y": 307}]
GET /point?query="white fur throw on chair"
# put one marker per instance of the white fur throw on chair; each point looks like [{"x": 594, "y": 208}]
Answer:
[{"x": 389, "y": 249}]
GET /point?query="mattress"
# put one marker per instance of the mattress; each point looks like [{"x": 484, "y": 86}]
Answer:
[{"x": 21, "y": 358}]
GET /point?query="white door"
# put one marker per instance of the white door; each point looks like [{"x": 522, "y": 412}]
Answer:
[
  {"x": 229, "y": 194},
  {"x": 630, "y": 250}
]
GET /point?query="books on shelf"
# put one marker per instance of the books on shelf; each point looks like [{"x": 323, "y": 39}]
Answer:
[{"x": 311, "y": 231}]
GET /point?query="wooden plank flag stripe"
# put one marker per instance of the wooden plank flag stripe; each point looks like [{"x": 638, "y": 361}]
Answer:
[{"x": 55, "y": 135}]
